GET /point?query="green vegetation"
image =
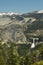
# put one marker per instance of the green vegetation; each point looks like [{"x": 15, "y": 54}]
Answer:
[
  {"x": 2, "y": 61},
  {"x": 21, "y": 55},
  {"x": 38, "y": 63}
]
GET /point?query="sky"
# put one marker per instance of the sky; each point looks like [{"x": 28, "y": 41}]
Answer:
[{"x": 20, "y": 6}]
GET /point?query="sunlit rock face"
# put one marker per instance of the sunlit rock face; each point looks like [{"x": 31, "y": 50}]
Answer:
[
  {"x": 4, "y": 21},
  {"x": 20, "y": 37},
  {"x": 15, "y": 27}
]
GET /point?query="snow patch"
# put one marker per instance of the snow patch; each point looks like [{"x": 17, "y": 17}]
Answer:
[
  {"x": 9, "y": 13},
  {"x": 41, "y": 11}
]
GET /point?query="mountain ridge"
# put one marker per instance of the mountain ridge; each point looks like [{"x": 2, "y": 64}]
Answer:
[{"x": 12, "y": 23}]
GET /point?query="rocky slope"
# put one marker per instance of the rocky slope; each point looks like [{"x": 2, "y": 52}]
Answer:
[{"x": 16, "y": 27}]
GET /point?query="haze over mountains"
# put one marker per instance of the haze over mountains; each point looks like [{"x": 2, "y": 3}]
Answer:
[{"x": 15, "y": 27}]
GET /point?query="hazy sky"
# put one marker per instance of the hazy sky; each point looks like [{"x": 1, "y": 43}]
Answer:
[{"x": 21, "y": 6}]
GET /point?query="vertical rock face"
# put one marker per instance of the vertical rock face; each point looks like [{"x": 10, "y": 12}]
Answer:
[
  {"x": 13, "y": 33},
  {"x": 20, "y": 37},
  {"x": 13, "y": 26}
]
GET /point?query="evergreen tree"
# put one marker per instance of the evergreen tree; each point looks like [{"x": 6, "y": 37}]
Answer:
[{"x": 2, "y": 61}]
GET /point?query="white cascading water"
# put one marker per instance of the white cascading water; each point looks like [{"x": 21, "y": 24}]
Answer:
[{"x": 33, "y": 44}]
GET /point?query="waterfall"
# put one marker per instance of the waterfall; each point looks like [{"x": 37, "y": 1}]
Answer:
[{"x": 33, "y": 44}]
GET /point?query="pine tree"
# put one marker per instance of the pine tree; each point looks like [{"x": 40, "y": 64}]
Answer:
[{"x": 2, "y": 61}]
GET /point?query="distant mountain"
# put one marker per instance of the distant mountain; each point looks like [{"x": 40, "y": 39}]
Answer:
[{"x": 16, "y": 27}]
